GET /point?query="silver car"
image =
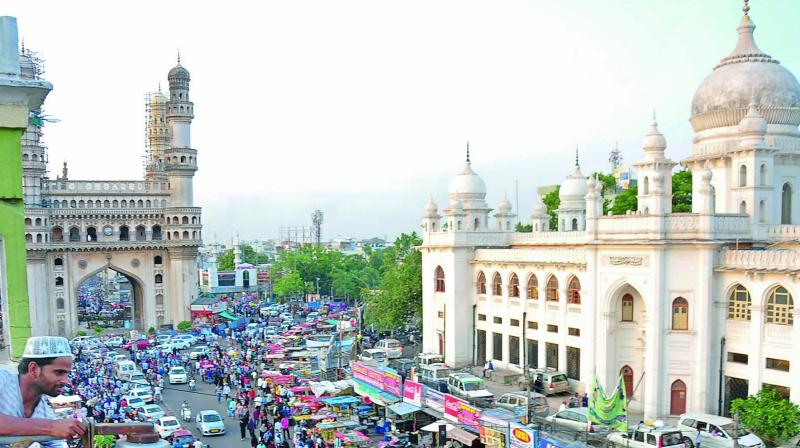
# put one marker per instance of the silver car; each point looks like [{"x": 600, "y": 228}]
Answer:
[{"x": 210, "y": 423}]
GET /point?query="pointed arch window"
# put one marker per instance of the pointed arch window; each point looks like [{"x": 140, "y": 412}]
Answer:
[
  {"x": 439, "y": 279},
  {"x": 157, "y": 260},
  {"x": 156, "y": 232},
  {"x": 60, "y": 303},
  {"x": 627, "y": 308},
  {"x": 513, "y": 286},
  {"x": 59, "y": 281},
  {"x": 780, "y": 307},
  {"x": 57, "y": 234},
  {"x": 159, "y": 279},
  {"x": 497, "y": 285},
  {"x": 627, "y": 378},
  {"x": 481, "y": 284},
  {"x": 680, "y": 314},
  {"x": 786, "y": 204},
  {"x": 739, "y": 304},
  {"x": 763, "y": 175},
  {"x": 552, "y": 289},
  {"x": 74, "y": 234},
  {"x": 574, "y": 291},
  {"x": 743, "y": 176},
  {"x": 124, "y": 233},
  {"x": 533, "y": 287}
]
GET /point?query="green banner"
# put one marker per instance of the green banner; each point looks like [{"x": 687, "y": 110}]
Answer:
[{"x": 609, "y": 411}]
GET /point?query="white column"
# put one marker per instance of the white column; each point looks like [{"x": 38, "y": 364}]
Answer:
[{"x": 654, "y": 345}]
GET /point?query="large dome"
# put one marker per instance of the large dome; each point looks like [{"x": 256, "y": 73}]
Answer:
[
  {"x": 178, "y": 72},
  {"x": 574, "y": 189},
  {"x": 747, "y": 75},
  {"x": 467, "y": 185}
]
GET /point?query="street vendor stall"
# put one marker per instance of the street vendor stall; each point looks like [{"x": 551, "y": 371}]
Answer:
[
  {"x": 66, "y": 406},
  {"x": 345, "y": 406}
]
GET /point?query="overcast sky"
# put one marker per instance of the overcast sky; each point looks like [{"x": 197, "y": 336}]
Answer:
[{"x": 363, "y": 108}]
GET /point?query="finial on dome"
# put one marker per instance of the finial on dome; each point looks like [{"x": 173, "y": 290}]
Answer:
[
  {"x": 159, "y": 87},
  {"x": 746, "y": 7},
  {"x": 467, "y": 151},
  {"x": 577, "y": 161},
  {"x": 179, "y": 56}
]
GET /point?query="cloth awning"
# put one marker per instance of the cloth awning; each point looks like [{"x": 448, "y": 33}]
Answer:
[
  {"x": 434, "y": 427},
  {"x": 403, "y": 408},
  {"x": 378, "y": 396},
  {"x": 227, "y": 316},
  {"x": 461, "y": 435}
]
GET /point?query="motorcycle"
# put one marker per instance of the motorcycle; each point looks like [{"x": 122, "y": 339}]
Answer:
[{"x": 192, "y": 385}]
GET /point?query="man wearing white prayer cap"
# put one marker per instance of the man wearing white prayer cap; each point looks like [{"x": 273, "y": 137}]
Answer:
[{"x": 43, "y": 370}]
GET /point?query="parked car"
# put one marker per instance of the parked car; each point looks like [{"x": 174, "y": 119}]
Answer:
[
  {"x": 403, "y": 366},
  {"x": 151, "y": 412},
  {"x": 181, "y": 438},
  {"x": 576, "y": 422},
  {"x": 424, "y": 359},
  {"x": 198, "y": 352},
  {"x": 137, "y": 380},
  {"x": 374, "y": 354},
  {"x": 163, "y": 338},
  {"x": 715, "y": 432},
  {"x": 546, "y": 381},
  {"x": 144, "y": 394},
  {"x": 210, "y": 423},
  {"x": 180, "y": 343},
  {"x": 190, "y": 339},
  {"x": 392, "y": 347},
  {"x": 178, "y": 375},
  {"x": 134, "y": 402},
  {"x": 166, "y": 425},
  {"x": 124, "y": 367},
  {"x": 433, "y": 375},
  {"x": 518, "y": 402},
  {"x": 470, "y": 388},
  {"x": 642, "y": 436}
]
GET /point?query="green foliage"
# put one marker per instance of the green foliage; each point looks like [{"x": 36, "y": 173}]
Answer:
[
  {"x": 289, "y": 284},
  {"x": 151, "y": 330},
  {"x": 104, "y": 441},
  {"x": 98, "y": 330},
  {"x": 552, "y": 201},
  {"x": 80, "y": 333},
  {"x": 184, "y": 325},
  {"x": 769, "y": 415},
  {"x": 609, "y": 183},
  {"x": 524, "y": 228},
  {"x": 400, "y": 294},
  {"x": 225, "y": 261},
  {"x": 625, "y": 201},
  {"x": 682, "y": 192}
]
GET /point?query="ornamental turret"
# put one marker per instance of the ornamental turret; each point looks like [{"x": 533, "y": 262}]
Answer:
[
  {"x": 655, "y": 175},
  {"x": 180, "y": 160}
]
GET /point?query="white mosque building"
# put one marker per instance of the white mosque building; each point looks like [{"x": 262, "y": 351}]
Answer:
[{"x": 692, "y": 309}]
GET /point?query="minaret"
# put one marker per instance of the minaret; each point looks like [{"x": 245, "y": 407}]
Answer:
[
  {"x": 431, "y": 217},
  {"x": 237, "y": 252},
  {"x": 540, "y": 219},
  {"x": 158, "y": 136},
  {"x": 505, "y": 216},
  {"x": 655, "y": 174},
  {"x": 180, "y": 160}
]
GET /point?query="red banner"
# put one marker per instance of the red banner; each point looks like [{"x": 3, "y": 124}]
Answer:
[{"x": 412, "y": 393}]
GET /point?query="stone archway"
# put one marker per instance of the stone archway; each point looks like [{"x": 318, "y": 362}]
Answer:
[
  {"x": 136, "y": 296},
  {"x": 626, "y": 341}
]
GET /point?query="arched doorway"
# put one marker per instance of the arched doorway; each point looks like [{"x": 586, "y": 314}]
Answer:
[
  {"x": 110, "y": 299},
  {"x": 677, "y": 398},
  {"x": 626, "y": 343},
  {"x": 246, "y": 279}
]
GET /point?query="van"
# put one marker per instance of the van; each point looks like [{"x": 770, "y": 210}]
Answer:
[
  {"x": 424, "y": 359},
  {"x": 433, "y": 375},
  {"x": 513, "y": 401},
  {"x": 124, "y": 368},
  {"x": 546, "y": 381},
  {"x": 642, "y": 436},
  {"x": 715, "y": 432},
  {"x": 470, "y": 388},
  {"x": 373, "y": 354}
]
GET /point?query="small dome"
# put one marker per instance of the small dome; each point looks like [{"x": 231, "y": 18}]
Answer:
[
  {"x": 158, "y": 98},
  {"x": 504, "y": 206},
  {"x": 705, "y": 175},
  {"x": 431, "y": 210},
  {"x": 574, "y": 188},
  {"x": 753, "y": 122},
  {"x": 178, "y": 72},
  {"x": 456, "y": 205},
  {"x": 654, "y": 140},
  {"x": 467, "y": 185},
  {"x": 747, "y": 75},
  {"x": 539, "y": 209}
]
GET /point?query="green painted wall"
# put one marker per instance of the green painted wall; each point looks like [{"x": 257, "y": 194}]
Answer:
[{"x": 12, "y": 229}]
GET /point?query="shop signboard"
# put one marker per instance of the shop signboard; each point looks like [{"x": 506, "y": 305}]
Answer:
[
  {"x": 544, "y": 442},
  {"x": 412, "y": 393},
  {"x": 468, "y": 415},
  {"x": 392, "y": 382},
  {"x": 522, "y": 437},
  {"x": 368, "y": 375},
  {"x": 452, "y": 407},
  {"x": 493, "y": 438},
  {"x": 433, "y": 399}
]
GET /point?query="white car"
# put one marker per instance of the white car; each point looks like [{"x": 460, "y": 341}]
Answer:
[
  {"x": 185, "y": 337},
  {"x": 163, "y": 338},
  {"x": 374, "y": 354},
  {"x": 134, "y": 402},
  {"x": 392, "y": 347},
  {"x": 151, "y": 412},
  {"x": 142, "y": 393},
  {"x": 138, "y": 380},
  {"x": 177, "y": 375},
  {"x": 165, "y": 426},
  {"x": 715, "y": 432},
  {"x": 197, "y": 352},
  {"x": 180, "y": 344},
  {"x": 210, "y": 423}
]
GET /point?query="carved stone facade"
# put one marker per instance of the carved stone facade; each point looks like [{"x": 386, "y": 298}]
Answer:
[
  {"x": 148, "y": 229},
  {"x": 649, "y": 295}
]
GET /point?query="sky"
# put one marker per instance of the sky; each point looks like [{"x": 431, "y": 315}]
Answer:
[{"x": 363, "y": 108}]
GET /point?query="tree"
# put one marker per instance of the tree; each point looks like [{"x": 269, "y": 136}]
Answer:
[
  {"x": 289, "y": 284},
  {"x": 524, "y": 228},
  {"x": 625, "y": 201},
  {"x": 151, "y": 330},
  {"x": 80, "y": 333},
  {"x": 98, "y": 330},
  {"x": 682, "y": 192},
  {"x": 399, "y": 296},
  {"x": 769, "y": 415},
  {"x": 552, "y": 201},
  {"x": 184, "y": 325},
  {"x": 609, "y": 183},
  {"x": 248, "y": 254},
  {"x": 225, "y": 262}
]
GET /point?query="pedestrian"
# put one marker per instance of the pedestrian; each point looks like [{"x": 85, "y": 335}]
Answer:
[
  {"x": 243, "y": 419},
  {"x": 251, "y": 427},
  {"x": 489, "y": 367},
  {"x": 698, "y": 439},
  {"x": 585, "y": 400},
  {"x": 218, "y": 391}
]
